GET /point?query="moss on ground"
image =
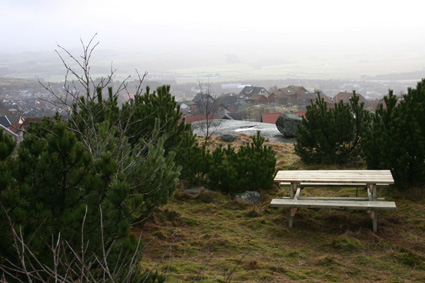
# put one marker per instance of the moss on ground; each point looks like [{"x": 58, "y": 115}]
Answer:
[{"x": 216, "y": 238}]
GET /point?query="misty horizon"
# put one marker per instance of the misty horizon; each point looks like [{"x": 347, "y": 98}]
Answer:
[{"x": 304, "y": 39}]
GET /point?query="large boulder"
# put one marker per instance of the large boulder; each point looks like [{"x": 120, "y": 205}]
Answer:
[
  {"x": 227, "y": 137},
  {"x": 287, "y": 123}
]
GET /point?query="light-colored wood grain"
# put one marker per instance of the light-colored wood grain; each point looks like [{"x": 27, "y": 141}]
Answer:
[
  {"x": 336, "y": 198},
  {"x": 309, "y": 184},
  {"x": 338, "y": 204},
  {"x": 335, "y": 176}
]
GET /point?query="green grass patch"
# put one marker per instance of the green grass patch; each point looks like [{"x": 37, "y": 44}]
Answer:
[{"x": 217, "y": 237}]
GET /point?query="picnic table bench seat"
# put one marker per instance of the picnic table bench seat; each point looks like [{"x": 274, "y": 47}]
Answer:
[
  {"x": 338, "y": 204},
  {"x": 316, "y": 184}
]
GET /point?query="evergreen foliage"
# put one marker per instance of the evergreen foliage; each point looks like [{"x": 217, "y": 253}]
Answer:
[
  {"x": 59, "y": 180},
  {"x": 105, "y": 168},
  {"x": 331, "y": 136},
  {"x": 141, "y": 137},
  {"x": 396, "y": 137},
  {"x": 155, "y": 111},
  {"x": 258, "y": 162},
  {"x": 195, "y": 160},
  {"x": 155, "y": 178},
  {"x": 64, "y": 168},
  {"x": 234, "y": 172},
  {"x": 150, "y": 115},
  {"x": 9, "y": 196}
]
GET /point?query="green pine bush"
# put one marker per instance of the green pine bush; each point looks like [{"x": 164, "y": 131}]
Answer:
[
  {"x": 252, "y": 168},
  {"x": 331, "y": 136},
  {"x": 153, "y": 113},
  {"x": 194, "y": 160},
  {"x": 395, "y": 139}
]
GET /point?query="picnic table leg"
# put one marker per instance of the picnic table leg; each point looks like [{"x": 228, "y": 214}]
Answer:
[
  {"x": 292, "y": 192},
  {"x": 374, "y": 217},
  {"x": 291, "y": 216},
  {"x": 373, "y": 191},
  {"x": 293, "y": 189},
  {"x": 373, "y": 214}
]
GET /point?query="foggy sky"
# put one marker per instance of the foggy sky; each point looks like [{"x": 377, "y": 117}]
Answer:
[{"x": 251, "y": 28}]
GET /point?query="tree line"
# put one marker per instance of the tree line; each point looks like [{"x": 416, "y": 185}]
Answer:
[{"x": 393, "y": 137}]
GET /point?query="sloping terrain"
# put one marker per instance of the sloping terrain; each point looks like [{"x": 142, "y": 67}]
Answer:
[{"x": 210, "y": 237}]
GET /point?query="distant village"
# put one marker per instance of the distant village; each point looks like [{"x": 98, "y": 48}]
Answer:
[
  {"x": 256, "y": 103},
  {"x": 21, "y": 105}
]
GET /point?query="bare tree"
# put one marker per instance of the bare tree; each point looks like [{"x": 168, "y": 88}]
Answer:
[
  {"x": 208, "y": 106},
  {"x": 134, "y": 135},
  {"x": 81, "y": 91},
  {"x": 72, "y": 265}
]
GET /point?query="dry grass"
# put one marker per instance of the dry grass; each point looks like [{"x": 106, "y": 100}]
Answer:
[
  {"x": 284, "y": 151},
  {"x": 214, "y": 237}
]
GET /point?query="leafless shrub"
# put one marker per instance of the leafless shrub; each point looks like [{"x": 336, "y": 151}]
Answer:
[{"x": 71, "y": 265}]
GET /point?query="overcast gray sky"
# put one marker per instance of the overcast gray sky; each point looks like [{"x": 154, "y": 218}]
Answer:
[
  {"x": 36, "y": 24},
  {"x": 371, "y": 27}
]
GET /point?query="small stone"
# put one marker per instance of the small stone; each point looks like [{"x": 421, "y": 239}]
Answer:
[
  {"x": 195, "y": 190},
  {"x": 251, "y": 197},
  {"x": 229, "y": 137}
]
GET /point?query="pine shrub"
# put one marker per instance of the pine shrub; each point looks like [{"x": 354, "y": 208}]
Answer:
[
  {"x": 331, "y": 136},
  {"x": 395, "y": 139},
  {"x": 193, "y": 159},
  {"x": 155, "y": 111},
  {"x": 252, "y": 168}
]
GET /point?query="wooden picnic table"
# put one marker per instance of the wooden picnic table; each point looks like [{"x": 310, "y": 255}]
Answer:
[{"x": 298, "y": 179}]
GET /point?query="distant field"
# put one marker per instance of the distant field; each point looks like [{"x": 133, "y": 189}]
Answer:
[{"x": 214, "y": 67}]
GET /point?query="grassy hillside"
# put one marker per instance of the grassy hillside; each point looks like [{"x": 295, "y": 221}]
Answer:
[{"x": 210, "y": 236}]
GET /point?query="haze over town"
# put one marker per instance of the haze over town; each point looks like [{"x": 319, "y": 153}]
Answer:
[{"x": 222, "y": 40}]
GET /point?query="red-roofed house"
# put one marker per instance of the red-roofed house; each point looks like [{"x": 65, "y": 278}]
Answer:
[
  {"x": 259, "y": 99},
  {"x": 15, "y": 127},
  {"x": 288, "y": 94},
  {"x": 270, "y": 118},
  {"x": 301, "y": 113}
]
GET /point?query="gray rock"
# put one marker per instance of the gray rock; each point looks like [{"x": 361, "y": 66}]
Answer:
[
  {"x": 251, "y": 197},
  {"x": 244, "y": 127},
  {"x": 287, "y": 123},
  {"x": 229, "y": 137},
  {"x": 195, "y": 190}
]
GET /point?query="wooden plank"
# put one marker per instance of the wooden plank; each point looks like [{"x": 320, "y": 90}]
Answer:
[
  {"x": 333, "y": 204},
  {"x": 335, "y": 179},
  {"x": 335, "y": 176},
  {"x": 334, "y": 173},
  {"x": 336, "y": 198},
  {"x": 309, "y": 184}
]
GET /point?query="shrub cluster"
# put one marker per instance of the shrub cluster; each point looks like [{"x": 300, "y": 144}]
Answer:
[
  {"x": 395, "y": 138},
  {"x": 230, "y": 171},
  {"x": 391, "y": 138},
  {"x": 101, "y": 159},
  {"x": 331, "y": 135}
]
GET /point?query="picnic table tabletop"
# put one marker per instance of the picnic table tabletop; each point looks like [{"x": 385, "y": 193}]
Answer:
[{"x": 337, "y": 176}]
